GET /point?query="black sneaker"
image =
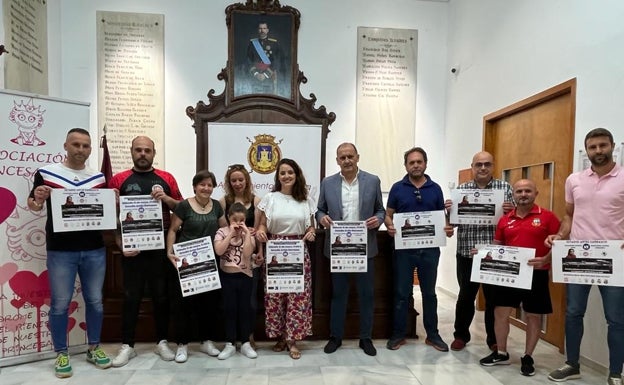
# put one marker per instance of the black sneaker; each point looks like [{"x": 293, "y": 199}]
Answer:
[
  {"x": 527, "y": 368},
  {"x": 495, "y": 359},
  {"x": 332, "y": 345}
]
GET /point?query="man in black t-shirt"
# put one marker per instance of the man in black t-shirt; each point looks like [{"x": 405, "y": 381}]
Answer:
[
  {"x": 72, "y": 253},
  {"x": 152, "y": 266}
]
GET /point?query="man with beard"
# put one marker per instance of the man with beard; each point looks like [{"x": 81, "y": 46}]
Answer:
[
  {"x": 149, "y": 266},
  {"x": 265, "y": 61},
  {"x": 525, "y": 226},
  {"x": 594, "y": 211},
  {"x": 468, "y": 236},
  {"x": 415, "y": 192}
]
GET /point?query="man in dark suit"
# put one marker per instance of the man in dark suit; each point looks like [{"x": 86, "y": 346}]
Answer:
[{"x": 351, "y": 195}]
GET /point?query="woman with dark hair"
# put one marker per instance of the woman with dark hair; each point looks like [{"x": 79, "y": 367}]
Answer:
[
  {"x": 193, "y": 218},
  {"x": 238, "y": 188},
  {"x": 288, "y": 213}
]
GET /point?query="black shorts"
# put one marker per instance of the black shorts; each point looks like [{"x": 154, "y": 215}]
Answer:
[{"x": 536, "y": 300}]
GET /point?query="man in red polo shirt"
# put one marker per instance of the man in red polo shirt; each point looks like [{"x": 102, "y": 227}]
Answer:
[{"x": 525, "y": 226}]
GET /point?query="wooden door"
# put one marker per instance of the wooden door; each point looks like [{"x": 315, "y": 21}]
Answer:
[
  {"x": 542, "y": 175},
  {"x": 535, "y": 138}
]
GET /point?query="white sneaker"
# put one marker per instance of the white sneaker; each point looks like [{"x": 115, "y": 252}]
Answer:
[
  {"x": 227, "y": 352},
  {"x": 126, "y": 353},
  {"x": 162, "y": 349},
  {"x": 248, "y": 351},
  {"x": 182, "y": 354},
  {"x": 209, "y": 348}
]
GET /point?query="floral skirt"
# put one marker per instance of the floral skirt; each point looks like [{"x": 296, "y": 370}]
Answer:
[{"x": 289, "y": 315}]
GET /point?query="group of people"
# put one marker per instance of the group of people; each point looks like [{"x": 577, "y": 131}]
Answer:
[
  {"x": 594, "y": 201},
  {"x": 241, "y": 222}
]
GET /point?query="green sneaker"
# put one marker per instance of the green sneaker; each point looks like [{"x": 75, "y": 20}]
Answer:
[
  {"x": 98, "y": 358},
  {"x": 62, "y": 367}
]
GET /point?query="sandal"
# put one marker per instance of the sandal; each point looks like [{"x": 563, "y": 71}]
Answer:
[
  {"x": 280, "y": 346},
  {"x": 293, "y": 351}
]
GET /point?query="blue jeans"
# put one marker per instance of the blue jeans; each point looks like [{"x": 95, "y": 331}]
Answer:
[
  {"x": 365, "y": 283},
  {"x": 90, "y": 265},
  {"x": 613, "y": 304},
  {"x": 426, "y": 260}
]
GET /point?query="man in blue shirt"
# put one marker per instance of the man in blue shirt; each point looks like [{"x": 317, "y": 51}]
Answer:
[{"x": 415, "y": 192}]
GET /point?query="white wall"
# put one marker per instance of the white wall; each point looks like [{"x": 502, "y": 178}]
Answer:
[
  {"x": 196, "y": 50},
  {"x": 506, "y": 51},
  {"x": 509, "y": 50}
]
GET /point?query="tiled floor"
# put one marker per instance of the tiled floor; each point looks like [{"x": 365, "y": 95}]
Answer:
[{"x": 415, "y": 363}]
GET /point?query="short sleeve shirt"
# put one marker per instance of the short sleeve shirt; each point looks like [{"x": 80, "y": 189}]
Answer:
[
  {"x": 285, "y": 215},
  {"x": 530, "y": 231},
  {"x": 598, "y": 204}
]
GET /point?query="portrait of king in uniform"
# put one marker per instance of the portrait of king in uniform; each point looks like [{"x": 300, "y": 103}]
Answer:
[
  {"x": 264, "y": 58},
  {"x": 263, "y": 63}
]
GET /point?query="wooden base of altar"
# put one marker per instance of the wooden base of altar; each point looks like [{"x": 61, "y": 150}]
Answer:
[{"x": 321, "y": 297}]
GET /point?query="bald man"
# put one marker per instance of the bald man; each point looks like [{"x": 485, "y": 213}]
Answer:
[
  {"x": 468, "y": 236},
  {"x": 525, "y": 226},
  {"x": 148, "y": 266}
]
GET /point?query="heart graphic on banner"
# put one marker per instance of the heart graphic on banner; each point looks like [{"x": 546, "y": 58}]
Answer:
[
  {"x": 31, "y": 288},
  {"x": 71, "y": 322},
  {"x": 7, "y": 271},
  {"x": 17, "y": 303},
  {"x": 9, "y": 201}
]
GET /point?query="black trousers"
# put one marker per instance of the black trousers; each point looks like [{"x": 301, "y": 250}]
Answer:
[
  {"x": 198, "y": 317},
  {"x": 237, "y": 288},
  {"x": 149, "y": 269},
  {"x": 465, "y": 307}
]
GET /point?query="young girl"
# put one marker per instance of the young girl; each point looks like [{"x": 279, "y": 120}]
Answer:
[
  {"x": 234, "y": 244},
  {"x": 238, "y": 188}
]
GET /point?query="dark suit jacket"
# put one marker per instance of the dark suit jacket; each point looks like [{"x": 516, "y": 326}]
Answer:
[{"x": 330, "y": 203}]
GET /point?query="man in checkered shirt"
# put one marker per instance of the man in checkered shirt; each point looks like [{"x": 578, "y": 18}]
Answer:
[{"x": 468, "y": 236}]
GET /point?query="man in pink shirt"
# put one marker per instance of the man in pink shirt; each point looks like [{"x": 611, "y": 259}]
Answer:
[{"x": 594, "y": 211}]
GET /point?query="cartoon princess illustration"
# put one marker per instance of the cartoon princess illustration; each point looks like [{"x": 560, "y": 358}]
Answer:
[{"x": 29, "y": 120}]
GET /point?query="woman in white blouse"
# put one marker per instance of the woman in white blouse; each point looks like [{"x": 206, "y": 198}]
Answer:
[{"x": 288, "y": 213}]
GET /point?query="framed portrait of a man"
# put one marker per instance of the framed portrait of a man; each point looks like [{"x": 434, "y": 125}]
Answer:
[{"x": 263, "y": 52}]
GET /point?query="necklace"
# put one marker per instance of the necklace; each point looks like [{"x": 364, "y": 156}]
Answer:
[{"x": 203, "y": 207}]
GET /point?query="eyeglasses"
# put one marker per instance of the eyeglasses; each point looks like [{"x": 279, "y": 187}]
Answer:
[
  {"x": 483, "y": 164},
  {"x": 236, "y": 167},
  {"x": 418, "y": 195}
]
